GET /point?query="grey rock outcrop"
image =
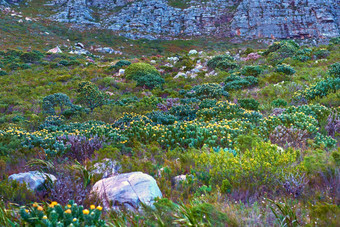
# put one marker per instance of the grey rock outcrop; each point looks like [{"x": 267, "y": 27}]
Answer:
[
  {"x": 33, "y": 179},
  {"x": 74, "y": 11},
  {"x": 247, "y": 19},
  {"x": 128, "y": 190},
  {"x": 287, "y": 18}
]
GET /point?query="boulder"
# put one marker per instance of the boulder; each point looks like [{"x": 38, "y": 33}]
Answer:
[
  {"x": 55, "y": 50},
  {"x": 33, "y": 179},
  {"x": 128, "y": 190},
  {"x": 193, "y": 52}
]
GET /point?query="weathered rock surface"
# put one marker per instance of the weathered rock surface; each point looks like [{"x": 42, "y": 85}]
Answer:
[
  {"x": 33, "y": 179},
  {"x": 247, "y": 19},
  {"x": 287, "y": 18},
  {"x": 128, "y": 189}
]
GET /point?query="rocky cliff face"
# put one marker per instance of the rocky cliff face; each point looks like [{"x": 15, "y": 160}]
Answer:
[{"x": 220, "y": 18}]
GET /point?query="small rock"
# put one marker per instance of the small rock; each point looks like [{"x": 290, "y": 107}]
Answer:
[
  {"x": 55, "y": 50},
  {"x": 193, "y": 52},
  {"x": 33, "y": 179}
]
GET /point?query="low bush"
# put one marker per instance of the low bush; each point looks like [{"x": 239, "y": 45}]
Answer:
[
  {"x": 334, "y": 70},
  {"x": 285, "y": 69},
  {"x": 138, "y": 70},
  {"x": 249, "y": 104},
  {"x": 251, "y": 70}
]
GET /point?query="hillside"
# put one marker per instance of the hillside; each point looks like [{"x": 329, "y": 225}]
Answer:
[{"x": 97, "y": 129}]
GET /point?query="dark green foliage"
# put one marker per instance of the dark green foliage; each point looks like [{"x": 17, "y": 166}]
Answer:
[
  {"x": 3, "y": 73},
  {"x": 227, "y": 65},
  {"x": 31, "y": 57},
  {"x": 14, "y": 66},
  {"x": 321, "y": 89},
  {"x": 122, "y": 63},
  {"x": 207, "y": 91},
  {"x": 336, "y": 157},
  {"x": 14, "y": 192},
  {"x": 52, "y": 121},
  {"x": 279, "y": 103},
  {"x": 184, "y": 112},
  {"x": 137, "y": 70},
  {"x": 226, "y": 187},
  {"x": 303, "y": 55},
  {"x": 285, "y": 48},
  {"x": 249, "y": 104},
  {"x": 90, "y": 95},
  {"x": 150, "y": 81},
  {"x": 251, "y": 70},
  {"x": 320, "y": 54},
  {"x": 159, "y": 117},
  {"x": 208, "y": 103},
  {"x": 334, "y": 70},
  {"x": 235, "y": 82},
  {"x": 223, "y": 62},
  {"x": 285, "y": 69},
  {"x": 60, "y": 100}
]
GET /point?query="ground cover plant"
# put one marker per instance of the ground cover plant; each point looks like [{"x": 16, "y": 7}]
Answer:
[{"x": 229, "y": 140}]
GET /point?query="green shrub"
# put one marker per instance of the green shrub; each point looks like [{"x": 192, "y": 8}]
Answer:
[
  {"x": 286, "y": 69},
  {"x": 3, "y": 73},
  {"x": 137, "y": 70},
  {"x": 251, "y": 70},
  {"x": 31, "y": 57},
  {"x": 60, "y": 100},
  {"x": 159, "y": 117},
  {"x": 279, "y": 103},
  {"x": 15, "y": 192},
  {"x": 207, "y": 91},
  {"x": 321, "y": 89},
  {"x": 235, "y": 82},
  {"x": 122, "y": 63},
  {"x": 322, "y": 53},
  {"x": 249, "y": 104},
  {"x": 223, "y": 62},
  {"x": 334, "y": 70},
  {"x": 285, "y": 48},
  {"x": 90, "y": 95},
  {"x": 150, "y": 81},
  {"x": 261, "y": 166},
  {"x": 14, "y": 66},
  {"x": 303, "y": 55},
  {"x": 57, "y": 215},
  {"x": 226, "y": 187}
]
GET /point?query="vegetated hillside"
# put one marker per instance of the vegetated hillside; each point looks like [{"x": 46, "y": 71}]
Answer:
[
  {"x": 169, "y": 19},
  {"x": 240, "y": 137}
]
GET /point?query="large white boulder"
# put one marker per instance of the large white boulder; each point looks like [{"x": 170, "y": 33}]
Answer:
[
  {"x": 33, "y": 179},
  {"x": 128, "y": 189}
]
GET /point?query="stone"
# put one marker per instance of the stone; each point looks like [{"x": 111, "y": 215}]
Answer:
[
  {"x": 179, "y": 179},
  {"x": 121, "y": 72},
  {"x": 128, "y": 190},
  {"x": 106, "y": 167},
  {"x": 55, "y": 50},
  {"x": 193, "y": 52},
  {"x": 33, "y": 179}
]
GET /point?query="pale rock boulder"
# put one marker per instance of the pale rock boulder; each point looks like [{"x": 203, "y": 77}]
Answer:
[
  {"x": 128, "y": 190},
  {"x": 33, "y": 179}
]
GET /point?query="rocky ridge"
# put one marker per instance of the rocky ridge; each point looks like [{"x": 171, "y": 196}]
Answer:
[{"x": 247, "y": 19}]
